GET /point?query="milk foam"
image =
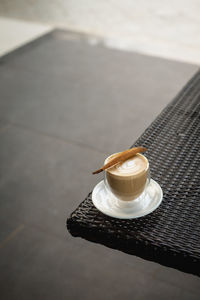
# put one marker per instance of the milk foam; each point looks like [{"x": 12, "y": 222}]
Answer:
[{"x": 131, "y": 166}]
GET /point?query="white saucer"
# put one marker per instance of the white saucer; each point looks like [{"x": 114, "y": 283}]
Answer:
[{"x": 108, "y": 204}]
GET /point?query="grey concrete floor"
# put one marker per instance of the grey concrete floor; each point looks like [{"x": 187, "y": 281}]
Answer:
[{"x": 64, "y": 106}]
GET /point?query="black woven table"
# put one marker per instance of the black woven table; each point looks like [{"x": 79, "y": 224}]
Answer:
[{"x": 171, "y": 234}]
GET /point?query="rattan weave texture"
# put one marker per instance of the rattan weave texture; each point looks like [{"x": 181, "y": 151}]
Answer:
[{"x": 171, "y": 234}]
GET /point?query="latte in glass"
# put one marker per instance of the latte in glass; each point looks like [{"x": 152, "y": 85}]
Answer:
[{"x": 127, "y": 180}]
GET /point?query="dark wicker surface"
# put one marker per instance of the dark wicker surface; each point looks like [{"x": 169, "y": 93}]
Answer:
[{"x": 171, "y": 234}]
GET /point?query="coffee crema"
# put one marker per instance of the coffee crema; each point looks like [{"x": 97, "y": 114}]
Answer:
[
  {"x": 132, "y": 166},
  {"x": 127, "y": 180}
]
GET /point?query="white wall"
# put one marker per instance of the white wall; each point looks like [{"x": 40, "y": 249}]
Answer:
[{"x": 164, "y": 28}]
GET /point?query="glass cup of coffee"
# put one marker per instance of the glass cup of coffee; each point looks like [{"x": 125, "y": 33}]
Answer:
[{"x": 128, "y": 180}]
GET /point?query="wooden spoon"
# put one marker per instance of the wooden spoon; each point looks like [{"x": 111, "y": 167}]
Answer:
[{"x": 120, "y": 157}]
